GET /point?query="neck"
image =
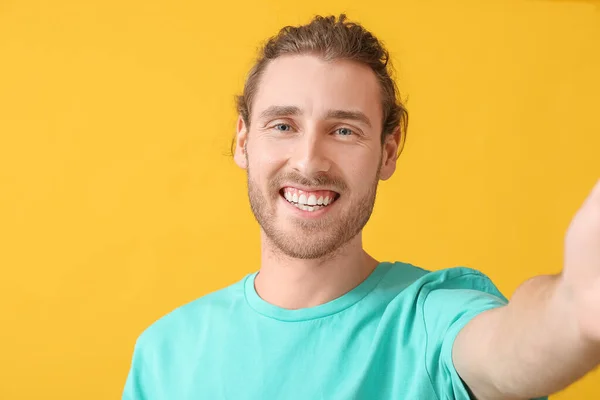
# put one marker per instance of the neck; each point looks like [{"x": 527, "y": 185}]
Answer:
[{"x": 293, "y": 283}]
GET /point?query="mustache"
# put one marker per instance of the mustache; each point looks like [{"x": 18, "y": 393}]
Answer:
[{"x": 317, "y": 181}]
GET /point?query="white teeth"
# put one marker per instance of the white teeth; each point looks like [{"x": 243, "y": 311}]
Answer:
[{"x": 310, "y": 203}]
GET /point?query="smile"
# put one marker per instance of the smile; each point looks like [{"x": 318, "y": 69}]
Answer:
[{"x": 309, "y": 200}]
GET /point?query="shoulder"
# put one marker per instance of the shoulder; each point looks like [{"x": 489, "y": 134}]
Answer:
[
  {"x": 449, "y": 292},
  {"x": 460, "y": 283},
  {"x": 410, "y": 277},
  {"x": 425, "y": 281},
  {"x": 190, "y": 319},
  {"x": 436, "y": 306}
]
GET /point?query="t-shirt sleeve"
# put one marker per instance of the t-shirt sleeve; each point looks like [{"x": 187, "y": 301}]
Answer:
[{"x": 450, "y": 301}]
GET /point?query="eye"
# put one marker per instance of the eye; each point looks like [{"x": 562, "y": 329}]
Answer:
[
  {"x": 344, "y": 131},
  {"x": 282, "y": 127}
]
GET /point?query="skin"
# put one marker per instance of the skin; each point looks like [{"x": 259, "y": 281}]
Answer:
[
  {"x": 545, "y": 339},
  {"x": 308, "y": 261},
  {"x": 549, "y": 335}
]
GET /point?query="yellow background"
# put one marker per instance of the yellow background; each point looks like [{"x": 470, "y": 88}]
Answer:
[{"x": 118, "y": 201}]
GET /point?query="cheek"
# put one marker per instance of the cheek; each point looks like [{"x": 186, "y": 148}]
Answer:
[
  {"x": 263, "y": 165},
  {"x": 359, "y": 169},
  {"x": 264, "y": 169},
  {"x": 266, "y": 153}
]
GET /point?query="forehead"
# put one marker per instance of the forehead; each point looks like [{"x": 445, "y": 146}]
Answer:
[{"x": 316, "y": 86}]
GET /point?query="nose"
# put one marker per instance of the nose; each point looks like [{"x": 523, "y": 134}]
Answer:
[{"x": 309, "y": 155}]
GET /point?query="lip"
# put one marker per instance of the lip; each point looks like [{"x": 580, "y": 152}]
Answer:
[{"x": 307, "y": 214}]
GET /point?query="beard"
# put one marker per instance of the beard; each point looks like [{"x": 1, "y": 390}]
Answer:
[{"x": 311, "y": 238}]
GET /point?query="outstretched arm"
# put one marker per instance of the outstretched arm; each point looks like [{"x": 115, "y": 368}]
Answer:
[{"x": 548, "y": 336}]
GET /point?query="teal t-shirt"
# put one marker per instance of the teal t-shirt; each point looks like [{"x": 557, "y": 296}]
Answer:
[{"x": 390, "y": 337}]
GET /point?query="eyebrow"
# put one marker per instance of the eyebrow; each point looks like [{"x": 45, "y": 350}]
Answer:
[
  {"x": 286, "y": 111},
  {"x": 350, "y": 115},
  {"x": 280, "y": 111}
]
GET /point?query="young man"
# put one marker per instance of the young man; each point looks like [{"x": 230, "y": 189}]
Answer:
[{"x": 320, "y": 124}]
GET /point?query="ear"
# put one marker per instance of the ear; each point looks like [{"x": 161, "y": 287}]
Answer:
[
  {"x": 241, "y": 139},
  {"x": 390, "y": 154}
]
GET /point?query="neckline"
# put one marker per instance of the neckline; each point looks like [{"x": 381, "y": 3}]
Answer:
[{"x": 303, "y": 314}]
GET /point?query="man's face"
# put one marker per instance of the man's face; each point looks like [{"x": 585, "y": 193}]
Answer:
[{"x": 313, "y": 153}]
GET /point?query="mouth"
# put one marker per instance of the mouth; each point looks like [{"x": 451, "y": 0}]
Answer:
[{"x": 310, "y": 201}]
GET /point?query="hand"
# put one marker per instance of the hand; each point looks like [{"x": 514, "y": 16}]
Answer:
[{"x": 581, "y": 273}]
